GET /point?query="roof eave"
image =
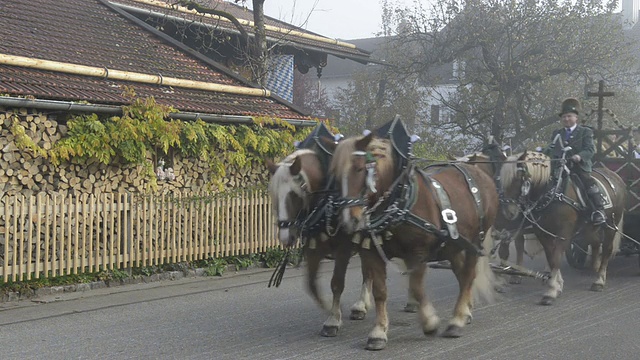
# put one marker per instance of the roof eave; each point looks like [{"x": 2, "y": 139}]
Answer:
[{"x": 195, "y": 53}]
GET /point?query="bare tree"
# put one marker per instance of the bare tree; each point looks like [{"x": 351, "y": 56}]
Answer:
[{"x": 516, "y": 59}]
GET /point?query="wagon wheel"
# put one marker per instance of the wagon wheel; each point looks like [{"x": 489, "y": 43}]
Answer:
[{"x": 576, "y": 254}]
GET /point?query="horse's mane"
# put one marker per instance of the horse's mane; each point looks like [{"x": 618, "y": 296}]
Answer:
[
  {"x": 538, "y": 166},
  {"x": 342, "y": 156},
  {"x": 381, "y": 149},
  {"x": 283, "y": 175}
]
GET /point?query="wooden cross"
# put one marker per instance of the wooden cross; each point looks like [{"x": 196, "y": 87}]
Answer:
[{"x": 601, "y": 94}]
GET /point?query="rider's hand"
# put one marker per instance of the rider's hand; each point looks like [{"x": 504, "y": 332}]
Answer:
[{"x": 576, "y": 158}]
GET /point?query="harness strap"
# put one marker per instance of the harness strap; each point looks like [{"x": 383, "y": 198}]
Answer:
[{"x": 473, "y": 187}]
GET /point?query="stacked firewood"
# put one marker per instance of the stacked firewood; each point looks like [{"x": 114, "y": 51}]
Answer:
[{"x": 22, "y": 171}]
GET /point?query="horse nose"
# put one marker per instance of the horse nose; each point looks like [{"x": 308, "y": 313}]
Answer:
[
  {"x": 352, "y": 219},
  {"x": 285, "y": 236}
]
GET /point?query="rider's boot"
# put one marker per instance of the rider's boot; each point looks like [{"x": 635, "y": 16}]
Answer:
[{"x": 597, "y": 199}]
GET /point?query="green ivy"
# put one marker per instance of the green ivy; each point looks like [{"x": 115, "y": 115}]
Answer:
[{"x": 145, "y": 128}]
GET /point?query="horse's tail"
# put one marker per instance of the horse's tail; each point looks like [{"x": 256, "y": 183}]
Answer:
[
  {"x": 617, "y": 238},
  {"x": 485, "y": 283},
  {"x": 314, "y": 257}
]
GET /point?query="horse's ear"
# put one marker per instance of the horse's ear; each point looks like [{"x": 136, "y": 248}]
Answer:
[
  {"x": 271, "y": 166},
  {"x": 451, "y": 157},
  {"x": 296, "y": 166},
  {"x": 473, "y": 158},
  {"x": 329, "y": 144},
  {"x": 362, "y": 144},
  {"x": 523, "y": 156}
]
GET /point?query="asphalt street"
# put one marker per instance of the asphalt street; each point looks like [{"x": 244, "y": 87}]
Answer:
[{"x": 237, "y": 317}]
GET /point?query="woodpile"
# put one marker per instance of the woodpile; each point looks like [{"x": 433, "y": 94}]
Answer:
[{"x": 23, "y": 172}]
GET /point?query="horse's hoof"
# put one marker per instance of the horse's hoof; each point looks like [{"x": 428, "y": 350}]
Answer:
[
  {"x": 515, "y": 280},
  {"x": 376, "y": 344},
  {"x": 411, "y": 308},
  {"x": 431, "y": 332},
  {"x": 453, "y": 331},
  {"x": 547, "y": 300},
  {"x": 597, "y": 287},
  {"x": 329, "y": 331},
  {"x": 357, "y": 315}
]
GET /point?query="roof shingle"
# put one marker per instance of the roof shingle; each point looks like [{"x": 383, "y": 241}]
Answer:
[{"x": 88, "y": 32}]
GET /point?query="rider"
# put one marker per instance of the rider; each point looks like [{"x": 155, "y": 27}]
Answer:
[{"x": 580, "y": 139}]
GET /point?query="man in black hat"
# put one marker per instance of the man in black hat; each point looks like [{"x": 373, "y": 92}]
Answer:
[{"x": 580, "y": 139}]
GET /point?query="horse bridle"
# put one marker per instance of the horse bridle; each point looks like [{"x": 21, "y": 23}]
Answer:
[
  {"x": 301, "y": 181},
  {"x": 522, "y": 201}
]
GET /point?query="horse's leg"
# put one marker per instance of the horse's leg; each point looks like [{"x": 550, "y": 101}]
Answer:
[
  {"x": 360, "y": 308},
  {"x": 342, "y": 255},
  {"x": 553, "y": 250},
  {"x": 376, "y": 268},
  {"x": 413, "y": 304},
  {"x": 426, "y": 312},
  {"x": 503, "y": 254},
  {"x": 314, "y": 256},
  {"x": 464, "y": 267},
  {"x": 597, "y": 243},
  {"x": 610, "y": 245},
  {"x": 519, "y": 244}
]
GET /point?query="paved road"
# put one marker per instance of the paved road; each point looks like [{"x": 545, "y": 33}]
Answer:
[{"x": 238, "y": 317}]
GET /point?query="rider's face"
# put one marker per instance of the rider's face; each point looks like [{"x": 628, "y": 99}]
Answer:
[{"x": 569, "y": 119}]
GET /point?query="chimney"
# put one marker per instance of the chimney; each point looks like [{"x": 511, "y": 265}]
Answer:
[{"x": 630, "y": 9}]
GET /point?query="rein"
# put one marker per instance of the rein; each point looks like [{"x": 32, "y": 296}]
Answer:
[{"x": 529, "y": 208}]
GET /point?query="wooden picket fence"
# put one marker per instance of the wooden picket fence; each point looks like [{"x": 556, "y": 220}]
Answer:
[{"x": 54, "y": 235}]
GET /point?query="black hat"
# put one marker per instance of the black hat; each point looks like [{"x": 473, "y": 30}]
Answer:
[{"x": 570, "y": 105}]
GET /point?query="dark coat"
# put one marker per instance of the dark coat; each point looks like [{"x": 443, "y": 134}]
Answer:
[{"x": 581, "y": 142}]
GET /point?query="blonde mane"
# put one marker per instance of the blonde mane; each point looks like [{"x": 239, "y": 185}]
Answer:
[
  {"x": 538, "y": 166},
  {"x": 342, "y": 156},
  {"x": 381, "y": 149}
]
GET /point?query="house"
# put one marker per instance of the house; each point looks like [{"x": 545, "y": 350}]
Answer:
[
  {"x": 224, "y": 41},
  {"x": 339, "y": 73},
  {"x": 441, "y": 81},
  {"x": 77, "y": 56}
]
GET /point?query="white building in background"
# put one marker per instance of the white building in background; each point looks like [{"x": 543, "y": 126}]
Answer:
[
  {"x": 630, "y": 12},
  {"x": 339, "y": 72}
]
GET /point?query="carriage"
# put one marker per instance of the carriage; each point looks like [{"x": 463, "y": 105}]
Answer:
[{"x": 389, "y": 208}]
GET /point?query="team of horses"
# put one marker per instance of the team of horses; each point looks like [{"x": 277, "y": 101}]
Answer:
[{"x": 365, "y": 195}]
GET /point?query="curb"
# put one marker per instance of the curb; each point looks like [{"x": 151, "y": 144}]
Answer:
[{"x": 35, "y": 294}]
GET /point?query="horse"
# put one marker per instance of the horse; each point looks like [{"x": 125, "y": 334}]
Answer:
[
  {"x": 298, "y": 187},
  {"x": 490, "y": 160},
  {"x": 295, "y": 189},
  {"x": 531, "y": 190},
  {"x": 446, "y": 212}
]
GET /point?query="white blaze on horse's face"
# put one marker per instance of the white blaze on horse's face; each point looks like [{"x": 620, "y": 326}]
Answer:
[
  {"x": 354, "y": 186},
  {"x": 287, "y": 197},
  {"x": 289, "y": 204},
  {"x": 347, "y": 222}
]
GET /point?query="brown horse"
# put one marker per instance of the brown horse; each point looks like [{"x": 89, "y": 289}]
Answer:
[
  {"x": 296, "y": 189},
  {"x": 490, "y": 160},
  {"x": 445, "y": 213},
  {"x": 556, "y": 210},
  {"x": 298, "y": 186}
]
